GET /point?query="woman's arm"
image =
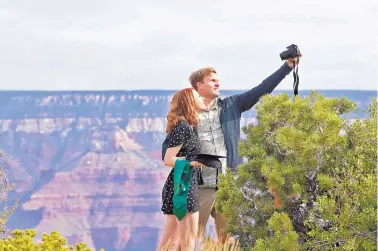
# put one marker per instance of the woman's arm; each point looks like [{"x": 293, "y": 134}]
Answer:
[{"x": 170, "y": 157}]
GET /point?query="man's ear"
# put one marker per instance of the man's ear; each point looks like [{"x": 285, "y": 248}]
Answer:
[{"x": 199, "y": 86}]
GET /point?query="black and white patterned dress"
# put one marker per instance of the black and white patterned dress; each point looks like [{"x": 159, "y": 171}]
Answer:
[{"x": 184, "y": 134}]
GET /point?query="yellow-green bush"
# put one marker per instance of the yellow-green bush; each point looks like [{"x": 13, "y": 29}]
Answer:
[
  {"x": 310, "y": 182},
  {"x": 23, "y": 240}
]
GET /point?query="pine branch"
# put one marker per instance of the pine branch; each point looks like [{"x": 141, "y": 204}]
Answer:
[
  {"x": 319, "y": 162},
  {"x": 245, "y": 196}
]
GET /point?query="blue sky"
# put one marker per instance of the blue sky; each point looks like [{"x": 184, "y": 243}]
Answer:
[{"x": 132, "y": 45}]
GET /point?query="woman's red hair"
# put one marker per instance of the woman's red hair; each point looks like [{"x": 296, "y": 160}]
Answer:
[{"x": 182, "y": 108}]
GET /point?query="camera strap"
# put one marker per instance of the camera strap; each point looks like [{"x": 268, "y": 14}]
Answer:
[{"x": 296, "y": 77}]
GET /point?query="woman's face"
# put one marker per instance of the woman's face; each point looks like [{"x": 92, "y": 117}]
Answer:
[{"x": 199, "y": 101}]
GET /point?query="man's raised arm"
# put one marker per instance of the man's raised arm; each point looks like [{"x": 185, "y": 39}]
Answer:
[{"x": 249, "y": 98}]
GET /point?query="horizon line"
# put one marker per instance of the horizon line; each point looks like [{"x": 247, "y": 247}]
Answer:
[{"x": 171, "y": 90}]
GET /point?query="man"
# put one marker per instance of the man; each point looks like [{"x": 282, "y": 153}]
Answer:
[{"x": 219, "y": 131}]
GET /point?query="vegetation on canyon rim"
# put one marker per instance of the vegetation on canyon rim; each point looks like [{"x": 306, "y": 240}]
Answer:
[
  {"x": 23, "y": 240},
  {"x": 309, "y": 182}
]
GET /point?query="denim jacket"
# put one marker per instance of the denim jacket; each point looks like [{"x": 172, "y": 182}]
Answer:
[{"x": 233, "y": 106}]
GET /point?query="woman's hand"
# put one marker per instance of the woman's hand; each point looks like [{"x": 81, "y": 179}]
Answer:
[
  {"x": 196, "y": 163},
  {"x": 193, "y": 163}
]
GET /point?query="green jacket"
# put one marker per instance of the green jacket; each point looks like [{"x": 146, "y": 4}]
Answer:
[{"x": 182, "y": 176}]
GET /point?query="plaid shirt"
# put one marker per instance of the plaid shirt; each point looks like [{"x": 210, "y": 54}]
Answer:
[{"x": 211, "y": 139}]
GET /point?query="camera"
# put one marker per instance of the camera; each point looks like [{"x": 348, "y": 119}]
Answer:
[{"x": 291, "y": 52}]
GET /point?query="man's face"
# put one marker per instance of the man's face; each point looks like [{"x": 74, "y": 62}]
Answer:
[{"x": 209, "y": 87}]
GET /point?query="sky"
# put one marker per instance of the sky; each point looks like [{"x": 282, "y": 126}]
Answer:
[{"x": 134, "y": 45}]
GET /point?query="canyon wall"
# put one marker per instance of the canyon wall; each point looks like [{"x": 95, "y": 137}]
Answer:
[{"x": 88, "y": 164}]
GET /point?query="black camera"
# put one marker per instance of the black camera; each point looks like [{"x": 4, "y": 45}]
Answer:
[{"x": 291, "y": 52}]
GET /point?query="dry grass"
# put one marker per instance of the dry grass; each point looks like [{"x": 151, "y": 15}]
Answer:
[{"x": 206, "y": 243}]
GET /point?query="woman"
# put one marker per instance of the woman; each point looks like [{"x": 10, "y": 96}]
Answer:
[{"x": 181, "y": 142}]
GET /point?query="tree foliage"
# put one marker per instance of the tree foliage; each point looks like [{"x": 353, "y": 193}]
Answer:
[
  {"x": 23, "y": 240},
  {"x": 309, "y": 182}
]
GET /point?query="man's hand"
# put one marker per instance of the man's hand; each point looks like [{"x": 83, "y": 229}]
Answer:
[{"x": 290, "y": 62}]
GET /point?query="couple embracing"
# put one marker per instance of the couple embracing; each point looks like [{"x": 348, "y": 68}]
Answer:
[{"x": 203, "y": 131}]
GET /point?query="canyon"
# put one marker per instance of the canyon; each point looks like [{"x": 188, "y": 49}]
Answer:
[{"x": 88, "y": 163}]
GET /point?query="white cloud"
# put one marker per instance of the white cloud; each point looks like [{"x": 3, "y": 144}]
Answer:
[{"x": 155, "y": 45}]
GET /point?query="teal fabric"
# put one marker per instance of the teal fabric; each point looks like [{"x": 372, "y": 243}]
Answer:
[{"x": 182, "y": 177}]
